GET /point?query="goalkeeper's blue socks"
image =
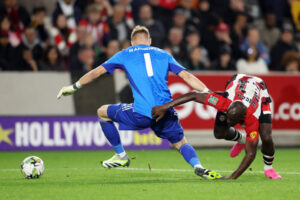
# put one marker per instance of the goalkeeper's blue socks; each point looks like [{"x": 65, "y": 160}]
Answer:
[
  {"x": 111, "y": 133},
  {"x": 190, "y": 155}
]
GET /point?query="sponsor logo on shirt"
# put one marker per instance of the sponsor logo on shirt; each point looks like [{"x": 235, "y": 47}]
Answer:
[{"x": 213, "y": 100}]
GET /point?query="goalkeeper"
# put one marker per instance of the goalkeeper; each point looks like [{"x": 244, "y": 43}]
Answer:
[{"x": 147, "y": 69}]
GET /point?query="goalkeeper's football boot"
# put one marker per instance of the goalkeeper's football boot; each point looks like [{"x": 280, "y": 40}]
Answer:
[
  {"x": 207, "y": 174},
  {"x": 272, "y": 174},
  {"x": 116, "y": 161}
]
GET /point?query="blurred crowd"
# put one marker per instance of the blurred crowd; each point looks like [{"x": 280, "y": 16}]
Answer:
[{"x": 244, "y": 36}]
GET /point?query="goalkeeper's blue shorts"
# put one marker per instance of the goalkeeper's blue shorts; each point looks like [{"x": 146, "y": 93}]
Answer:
[{"x": 166, "y": 128}]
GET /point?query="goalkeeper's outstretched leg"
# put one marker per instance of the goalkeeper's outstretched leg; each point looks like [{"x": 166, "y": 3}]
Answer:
[{"x": 189, "y": 154}]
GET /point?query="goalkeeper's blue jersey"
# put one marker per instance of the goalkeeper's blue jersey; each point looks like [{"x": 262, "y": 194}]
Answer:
[{"x": 147, "y": 70}]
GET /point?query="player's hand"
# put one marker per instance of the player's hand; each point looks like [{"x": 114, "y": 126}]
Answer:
[
  {"x": 159, "y": 112},
  {"x": 65, "y": 91}
]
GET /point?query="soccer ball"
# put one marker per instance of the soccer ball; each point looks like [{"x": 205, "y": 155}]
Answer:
[{"x": 32, "y": 167}]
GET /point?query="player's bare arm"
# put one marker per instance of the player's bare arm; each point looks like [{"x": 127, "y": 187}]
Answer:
[
  {"x": 92, "y": 75},
  {"x": 192, "y": 81},
  {"x": 85, "y": 79},
  {"x": 250, "y": 149},
  {"x": 159, "y": 111}
]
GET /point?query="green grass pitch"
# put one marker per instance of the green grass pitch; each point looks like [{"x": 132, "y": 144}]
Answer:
[{"x": 78, "y": 175}]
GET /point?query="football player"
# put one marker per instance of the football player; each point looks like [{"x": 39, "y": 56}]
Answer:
[
  {"x": 147, "y": 70},
  {"x": 245, "y": 101}
]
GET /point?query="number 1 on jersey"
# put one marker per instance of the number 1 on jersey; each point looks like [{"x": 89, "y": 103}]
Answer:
[{"x": 148, "y": 64}]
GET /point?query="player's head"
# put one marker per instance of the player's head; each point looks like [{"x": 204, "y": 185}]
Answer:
[
  {"x": 236, "y": 113},
  {"x": 140, "y": 35}
]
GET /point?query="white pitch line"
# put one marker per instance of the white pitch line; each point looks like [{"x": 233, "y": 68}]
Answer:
[
  {"x": 147, "y": 169},
  {"x": 187, "y": 170}
]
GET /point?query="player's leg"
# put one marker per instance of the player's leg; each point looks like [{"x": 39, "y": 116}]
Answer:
[
  {"x": 267, "y": 148},
  {"x": 111, "y": 133},
  {"x": 223, "y": 131},
  {"x": 187, "y": 151},
  {"x": 169, "y": 128},
  {"x": 189, "y": 154}
]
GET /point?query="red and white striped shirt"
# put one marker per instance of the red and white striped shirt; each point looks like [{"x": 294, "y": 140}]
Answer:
[
  {"x": 252, "y": 92},
  {"x": 97, "y": 30}
]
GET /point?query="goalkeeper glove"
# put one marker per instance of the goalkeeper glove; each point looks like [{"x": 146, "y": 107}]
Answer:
[{"x": 68, "y": 90}]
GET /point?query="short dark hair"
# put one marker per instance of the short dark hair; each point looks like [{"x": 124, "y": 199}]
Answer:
[
  {"x": 48, "y": 49},
  {"x": 30, "y": 26},
  {"x": 38, "y": 9}
]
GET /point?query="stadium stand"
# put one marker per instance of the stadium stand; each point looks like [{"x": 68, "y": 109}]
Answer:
[{"x": 197, "y": 32}]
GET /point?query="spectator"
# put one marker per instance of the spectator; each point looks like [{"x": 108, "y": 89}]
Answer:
[
  {"x": 235, "y": 7},
  {"x": 284, "y": 44},
  {"x": 253, "y": 39},
  {"x": 62, "y": 36},
  {"x": 69, "y": 10},
  {"x": 128, "y": 12},
  {"x": 180, "y": 21},
  {"x": 82, "y": 4},
  {"x": 112, "y": 48},
  {"x": 159, "y": 9},
  {"x": 85, "y": 61},
  {"x": 13, "y": 36},
  {"x": 269, "y": 34},
  {"x": 156, "y": 28},
  {"x": 280, "y": 8},
  {"x": 118, "y": 27},
  {"x": 18, "y": 15},
  {"x": 175, "y": 44},
  {"x": 253, "y": 64},
  {"x": 202, "y": 15},
  {"x": 193, "y": 41},
  {"x": 38, "y": 21},
  {"x": 291, "y": 62},
  {"x": 28, "y": 63},
  {"x": 220, "y": 7},
  {"x": 224, "y": 62},
  {"x": 215, "y": 41},
  {"x": 51, "y": 60},
  {"x": 87, "y": 58},
  {"x": 80, "y": 40},
  {"x": 31, "y": 45},
  {"x": 227, "y": 9},
  {"x": 7, "y": 53},
  {"x": 89, "y": 42},
  {"x": 187, "y": 7},
  {"x": 105, "y": 8},
  {"x": 196, "y": 61},
  {"x": 238, "y": 32},
  {"x": 99, "y": 29},
  {"x": 85, "y": 40}
]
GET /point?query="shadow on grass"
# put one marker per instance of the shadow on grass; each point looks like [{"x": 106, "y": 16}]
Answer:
[{"x": 100, "y": 181}]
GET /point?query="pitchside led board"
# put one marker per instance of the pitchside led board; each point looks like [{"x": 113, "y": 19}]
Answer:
[
  {"x": 84, "y": 133},
  {"x": 67, "y": 133},
  {"x": 284, "y": 91}
]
